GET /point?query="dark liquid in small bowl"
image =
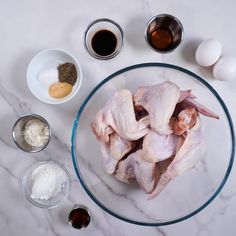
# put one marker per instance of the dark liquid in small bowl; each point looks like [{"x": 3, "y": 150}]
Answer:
[
  {"x": 79, "y": 218},
  {"x": 104, "y": 42}
]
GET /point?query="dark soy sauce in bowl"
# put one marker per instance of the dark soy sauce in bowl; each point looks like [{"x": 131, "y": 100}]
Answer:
[
  {"x": 104, "y": 42},
  {"x": 79, "y": 218}
]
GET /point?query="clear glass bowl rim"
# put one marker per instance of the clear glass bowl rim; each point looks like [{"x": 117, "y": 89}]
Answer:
[{"x": 76, "y": 122}]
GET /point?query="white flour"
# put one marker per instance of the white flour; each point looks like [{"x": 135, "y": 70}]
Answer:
[
  {"x": 36, "y": 133},
  {"x": 47, "y": 181}
]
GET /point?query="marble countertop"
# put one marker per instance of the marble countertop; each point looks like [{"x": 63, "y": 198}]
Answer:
[{"x": 27, "y": 27}]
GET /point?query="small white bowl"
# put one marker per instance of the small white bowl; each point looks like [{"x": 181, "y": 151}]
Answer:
[{"x": 46, "y": 59}]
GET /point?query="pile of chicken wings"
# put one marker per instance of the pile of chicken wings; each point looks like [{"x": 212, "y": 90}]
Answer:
[{"x": 152, "y": 136}]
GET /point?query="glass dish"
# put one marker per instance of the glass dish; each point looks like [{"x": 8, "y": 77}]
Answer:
[
  {"x": 103, "y": 24},
  {"x": 186, "y": 195},
  {"x": 55, "y": 200}
]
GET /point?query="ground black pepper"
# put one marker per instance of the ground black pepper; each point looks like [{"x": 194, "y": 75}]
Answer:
[{"x": 67, "y": 73}]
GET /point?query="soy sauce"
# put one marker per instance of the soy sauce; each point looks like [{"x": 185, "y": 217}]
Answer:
[
  {"x": 79, "y": 218},
  {"x": 161, "y": 38},
  {"x": 104, "y": 42}
]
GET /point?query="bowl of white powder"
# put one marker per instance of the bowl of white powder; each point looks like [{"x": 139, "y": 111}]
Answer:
[
  {"x": 31, "y": 133},
  {"x": 46, "y": 184}
]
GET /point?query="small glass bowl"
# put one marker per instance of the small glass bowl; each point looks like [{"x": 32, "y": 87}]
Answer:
[
  {"x": 52, "y": 202},
  {"x": 103, "y": 24},
  {"x": 18, "y": 136}
]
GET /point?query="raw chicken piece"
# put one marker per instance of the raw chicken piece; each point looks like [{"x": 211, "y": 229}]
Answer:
[
  {"x": 146, "y": 174},
  {"x": 114, "y": 151},
  {"x": 163, "y": 165},
  {"x": 140, "y": 112},
  {"x": 100, "y": 127},
  {"x": 125, "y": 169},
  {"x": 159, "y": 101},
  {"x": 186, "y": 158},
  {"x": 180, "y": 142},
  {"x": 119, "y": 147},
  {"x": 158, "y": 147},
  {"x": 185, "y": 121},
  {"x": 190, "y": 102},
  {"x": 186, "y": 94},
  {"x": 108, "y": 161},
  {"x": 118, "y": 115}
]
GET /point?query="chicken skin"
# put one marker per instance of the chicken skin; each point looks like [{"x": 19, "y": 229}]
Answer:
[
  {"x": 159, "y": 101},
  {"x": 191, "y": 151},
  {"x": 118, "y": 115},
  {"x": 146, "y": 174}
]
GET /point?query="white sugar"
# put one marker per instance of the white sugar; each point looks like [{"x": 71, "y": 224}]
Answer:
[{"x": 47, "y": 181}]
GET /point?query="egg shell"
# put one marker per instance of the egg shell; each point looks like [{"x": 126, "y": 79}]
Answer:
[
  {"x": 225, "y": 68},
  {"x": 208, "y": 52}
]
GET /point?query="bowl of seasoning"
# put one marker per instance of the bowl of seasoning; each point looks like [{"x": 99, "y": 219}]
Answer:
[
  {"x": 103, "y": 38},
  {"x": 46, "y": 184},
  {"x": 54, "y": 76},
  {"x": 31, "y": 133},
  {"x": 164, "y": 33}
]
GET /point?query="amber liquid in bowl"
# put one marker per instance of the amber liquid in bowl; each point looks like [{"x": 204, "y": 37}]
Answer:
[{"x": 161, "y": 38}]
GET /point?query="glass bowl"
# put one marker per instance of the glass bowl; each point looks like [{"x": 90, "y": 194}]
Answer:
[
  {"x": 101, "y": 25},
  {"x": 184, "y": 196},
  {"x": 55, "y": 200}
]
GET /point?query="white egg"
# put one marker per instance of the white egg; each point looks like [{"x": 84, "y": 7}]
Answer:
[
  {"x": 208, "y": 52},
  {"x": 225, "y": 68}
]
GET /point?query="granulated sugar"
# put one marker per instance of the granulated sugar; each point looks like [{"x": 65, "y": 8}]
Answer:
[{"x": 47, "y": 181}]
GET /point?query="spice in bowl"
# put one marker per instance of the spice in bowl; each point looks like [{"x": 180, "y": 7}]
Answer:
[
  {"x": 67, "y": 77},
  {"x": 59, "y": 90},
  {"x": 31, "y": 133},
  {"x": 36, "y": 133},
  {"x": 67, "y": 73},
  {"x": 60, "y": 80}
]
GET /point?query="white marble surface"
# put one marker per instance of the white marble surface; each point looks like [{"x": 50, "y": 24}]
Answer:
[{"x": 27, "y": 27}]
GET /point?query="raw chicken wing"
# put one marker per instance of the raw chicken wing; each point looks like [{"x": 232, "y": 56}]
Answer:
[
  {"x": 186, "y": 158},
  {"x": 146, "y": 174},
  {"x": 185, "y": 121},
  {"x": 159, "y": 101},
  {"x": 113, "y": 151},
  {"x": 118, "y": 115},
  {"x": 191, "y": 102},
  {"x": 158, "y": 147}
]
